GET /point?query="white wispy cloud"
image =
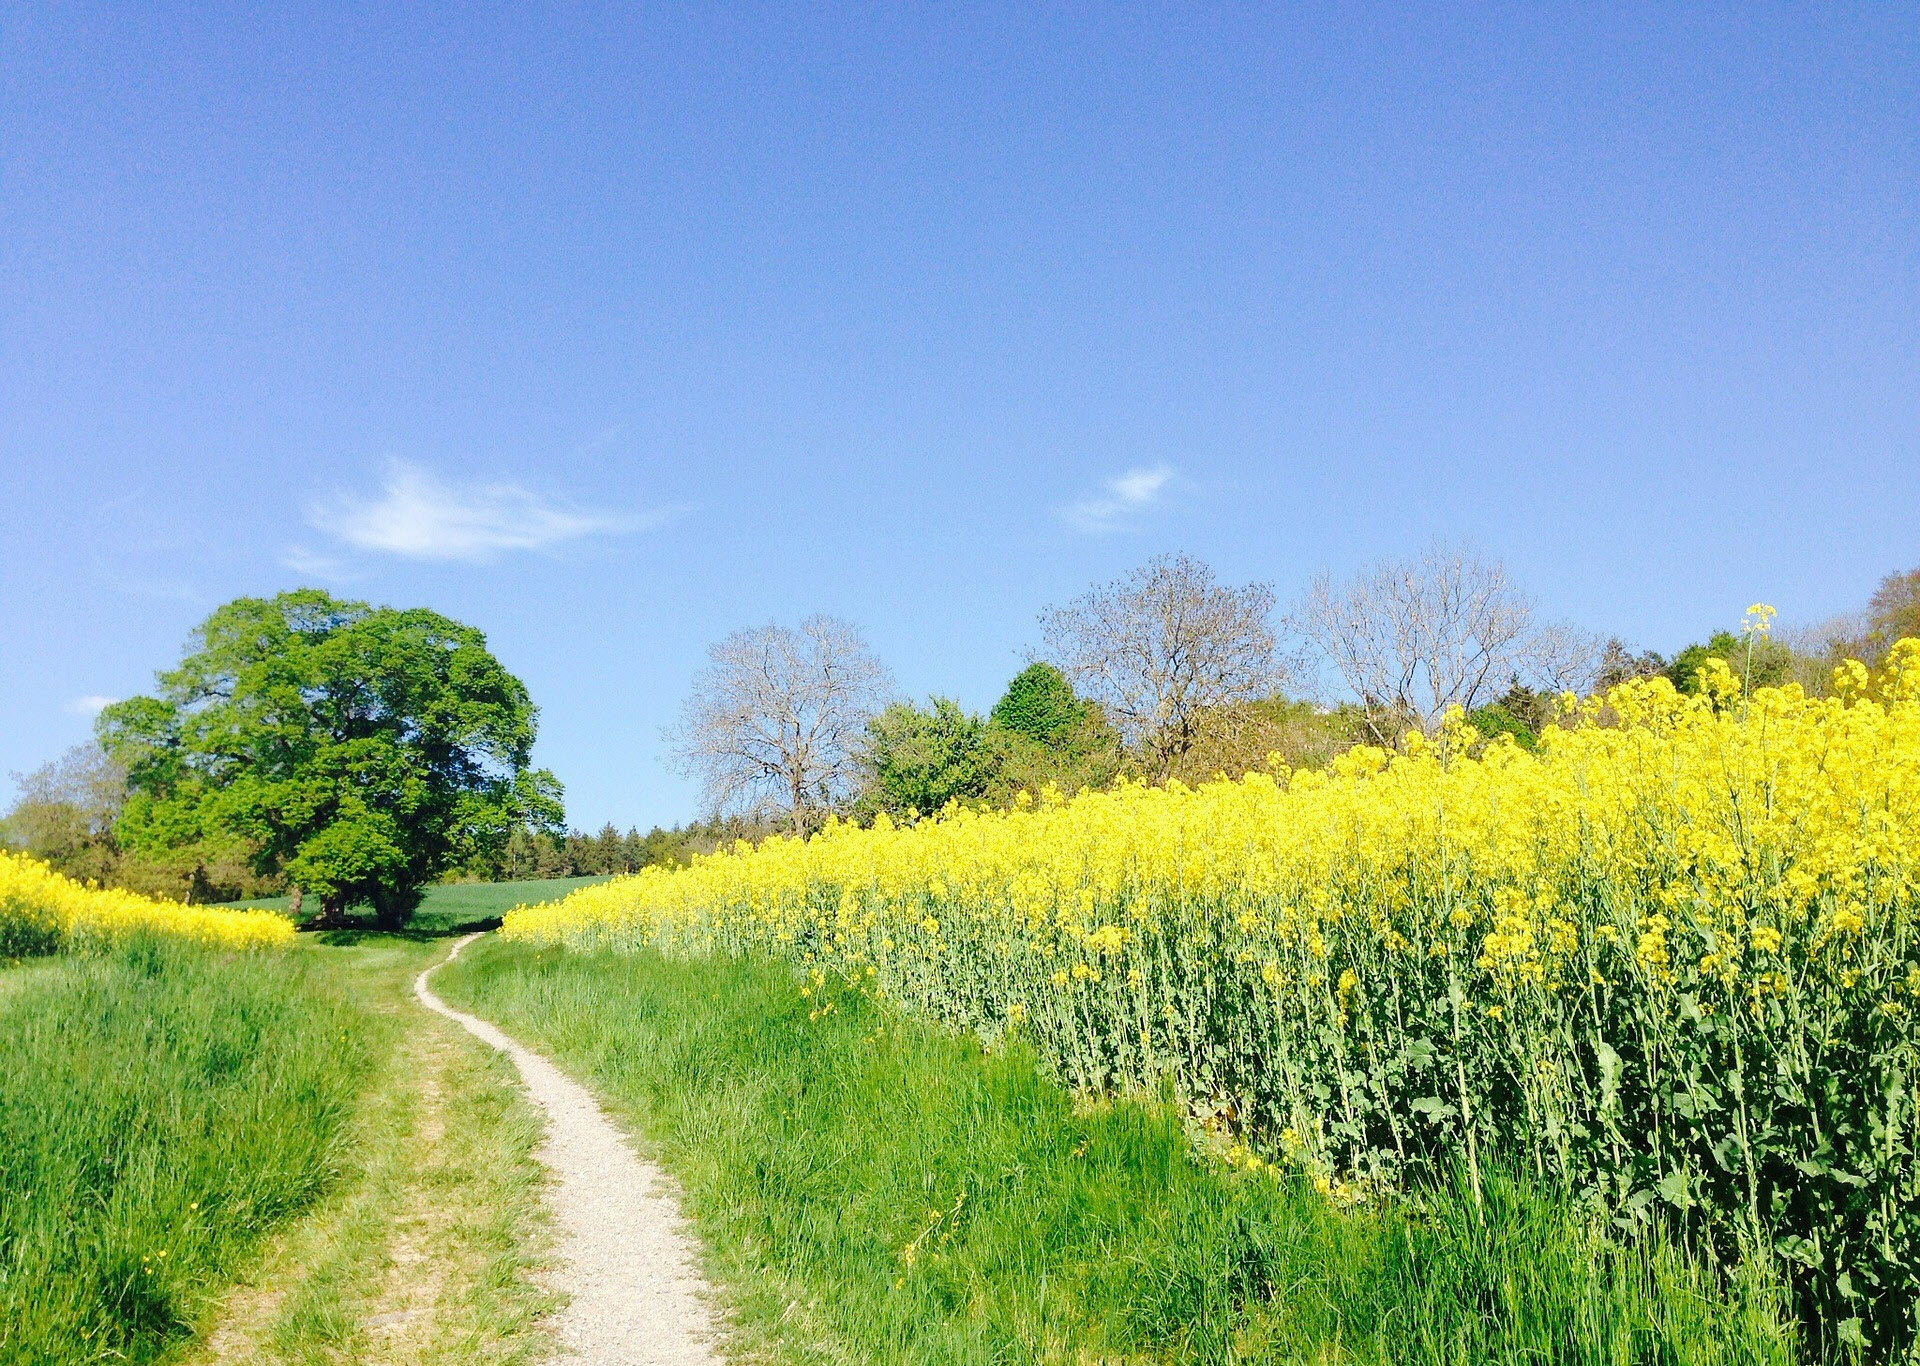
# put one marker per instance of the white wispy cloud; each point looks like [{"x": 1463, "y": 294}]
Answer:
[
  {"x": 311, "y": 564},
  {"x": 422, "y": 517},
  {"x": 1121, "y": 501},
  {"x": 89, "y": 705}
]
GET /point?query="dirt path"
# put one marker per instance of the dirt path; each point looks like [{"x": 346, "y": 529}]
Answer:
[
  {"x": 624, "y": 1257},
  {"x": 432, "y": 1246}
]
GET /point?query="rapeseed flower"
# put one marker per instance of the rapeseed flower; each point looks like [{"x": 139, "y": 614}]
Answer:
[{"x": 1672, "y": 952}]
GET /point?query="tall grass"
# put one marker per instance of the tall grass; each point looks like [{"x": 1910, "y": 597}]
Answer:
[
  {"x": 161, "y": 1106},
  {"x": 878, "y": 1188}
]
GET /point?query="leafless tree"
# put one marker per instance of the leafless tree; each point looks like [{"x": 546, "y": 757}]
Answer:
[
  {"x": 1619, "y": 664},
  {"x": 65, "y": 810},
  {"x": 1160, "y": 647},
  {"x": 1894, "y": 609},
  {"x": 1562, "y": 658},
  {"x": 1411, "y": 639},
  {"x": 777, "y": 719}
]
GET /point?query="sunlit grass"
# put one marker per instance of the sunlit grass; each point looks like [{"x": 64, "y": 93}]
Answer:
[
  {"x": 451, "y": 905},
  {"x": 161, "y": 1107},
  {"x": 875, "y": 1188}
]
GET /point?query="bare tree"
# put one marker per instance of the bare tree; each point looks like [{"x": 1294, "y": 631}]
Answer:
[
  {"x": 1619, "y": 664},
  {"x": 65, "y": 810},
  {"x": 1160, "y": 647},
  {"x": 777, "y": 719},
  {"x": 1413, "y": 638},
  {"x": 1563, "y": 658},
  {"x": 1894, "y": 609}
]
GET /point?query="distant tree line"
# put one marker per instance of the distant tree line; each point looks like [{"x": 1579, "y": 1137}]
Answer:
[
  {"x": 546, "y": 854},
  {"x": 356, "y": 754},
  {"x": 1170, "y": 675},
  {"x": 67, "y": 812}
]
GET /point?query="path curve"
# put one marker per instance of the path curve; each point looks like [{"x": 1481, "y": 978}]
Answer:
[{"x": 625, "y": 1258}]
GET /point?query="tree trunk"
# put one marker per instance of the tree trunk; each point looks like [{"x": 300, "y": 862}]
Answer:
[
  {"x": 294, "y": 897},
  {"x": 328, "y": 917}
]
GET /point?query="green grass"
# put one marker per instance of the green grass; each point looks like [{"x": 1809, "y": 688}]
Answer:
[
  {"x": 15, "y": 974},
  {"x": 874, "y": 1189},
  {"x": 290, "y": 1120},
  {"x": 451, "y": 905},
  {"x": 161, "y": 1108},
  {"x": 424, "y": 1252}
]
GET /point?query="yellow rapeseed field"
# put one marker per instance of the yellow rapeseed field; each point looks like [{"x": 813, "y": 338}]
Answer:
[
  {"x": 44, "y": 912},
  {"x": 1668, "y": 959}
]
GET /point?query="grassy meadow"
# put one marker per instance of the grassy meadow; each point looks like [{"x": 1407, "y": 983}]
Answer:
[
  {"x": 451, "y": 906},
  {"x": 876, "y": 1188},
  {"x": 162, "y": 1107},
  {"x": 194, "y": 1097}
]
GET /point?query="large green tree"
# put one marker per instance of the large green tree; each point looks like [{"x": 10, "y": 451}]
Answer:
[
  {"x": 1761, "y": 661},
  {"x": 1040, "y": 704},
  {"x": 356, "y": 751},
  {"x": 923, "y": 759}
]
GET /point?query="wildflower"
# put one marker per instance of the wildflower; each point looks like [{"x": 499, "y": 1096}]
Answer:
[{"x": 1662, "y": 858}]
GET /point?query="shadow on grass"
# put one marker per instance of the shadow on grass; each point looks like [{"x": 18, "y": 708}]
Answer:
[{"x": 421, "y": 930}]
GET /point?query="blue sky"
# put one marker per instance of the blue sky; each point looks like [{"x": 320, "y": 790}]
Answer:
[{"x": 610, "y": 331}]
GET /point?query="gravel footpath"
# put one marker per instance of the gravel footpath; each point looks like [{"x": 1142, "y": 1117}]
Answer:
[{"x": 625, "y": 1258}]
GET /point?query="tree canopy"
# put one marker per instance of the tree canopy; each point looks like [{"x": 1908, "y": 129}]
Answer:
[
  {"x": 358, "y": 751},
  {"x": 1040, "y": 704},
  {"x": 65, "y": 812},
  {"x": 1768, "y": 665},
  {"x": 923, "y": 759}
]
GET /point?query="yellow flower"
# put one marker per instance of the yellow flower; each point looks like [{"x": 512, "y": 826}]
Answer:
[
  {"x": 39, "y": 906},
  {"x": 1612, "y": 879}
]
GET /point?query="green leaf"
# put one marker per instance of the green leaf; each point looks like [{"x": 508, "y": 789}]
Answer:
[{"x": 1676, "y": 1190}]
